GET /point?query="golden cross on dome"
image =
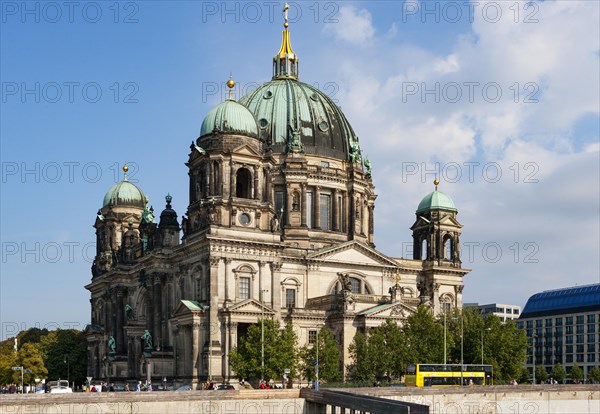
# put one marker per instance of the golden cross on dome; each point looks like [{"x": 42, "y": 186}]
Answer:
[{"x": 286, "y": 7}]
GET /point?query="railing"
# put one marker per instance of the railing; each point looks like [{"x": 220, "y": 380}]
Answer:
[{"x": 358, "y": 403}]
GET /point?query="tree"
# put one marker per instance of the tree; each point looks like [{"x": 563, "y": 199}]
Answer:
[
  {"x": 541, "y": 374},
  {"x": 559, "y": 373},
  {"x": 359, "y": 370},
  {"x": 594, "y": 374},
  {"x": 506, "y": 348},
  {"x": 576, "y": 373},
  {"x": 280, "y": 352},
  {"x": 65, "y": 353},
  {"x": 424, "y": 337},
  {"x": 329, "y": 358},
  {"x": 30, "y": 357},
  {"x": 388, "y": 351},
  {"x": 8, "y": 359}
]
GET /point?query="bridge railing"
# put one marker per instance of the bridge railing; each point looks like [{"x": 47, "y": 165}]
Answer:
[{"x": 358, "y": 403}]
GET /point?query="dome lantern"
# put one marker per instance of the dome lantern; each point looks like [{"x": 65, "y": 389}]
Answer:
[{"x": 285, "y": 62}]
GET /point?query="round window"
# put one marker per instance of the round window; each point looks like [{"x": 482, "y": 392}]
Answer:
[{"x": 244, "y": 219}]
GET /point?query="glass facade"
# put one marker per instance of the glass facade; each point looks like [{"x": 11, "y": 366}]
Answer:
[{"x": 565, "y": 326}]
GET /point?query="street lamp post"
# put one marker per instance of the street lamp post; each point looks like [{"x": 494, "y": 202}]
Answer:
[
  {"x": 445, "y": 309},
  {"x": 462, "y": 348},
  {"x": 485, "y": 329},
  {"x": 533, "y": 338},
  {"x": 208, "y": 357},
  {"x": 317, "y": 364},
  {"x": 68, "y": 362}
]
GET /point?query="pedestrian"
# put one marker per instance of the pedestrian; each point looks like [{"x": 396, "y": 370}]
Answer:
[
  {"x": 138, "y": 386},
  {"x": 127, "y": 387}
]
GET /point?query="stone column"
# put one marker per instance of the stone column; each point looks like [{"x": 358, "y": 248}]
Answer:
[
  {"x": 213, "y": 312},
  {"x": 317, "y": 205},
  {"x": 157, "y": 304},
  {"x": 119, "y": 325},
  {"x": 195, "y": 327},
  {"x": 255, "y": 193},
  {"x": 303, "y": 206},
  {"x": 275, "y": 288},
  {"x": 334, "y": 210},
  {"x": 232, "y": 342},
  {"x": 232, "y": 180},
  {"x": 226, "y": 280}
]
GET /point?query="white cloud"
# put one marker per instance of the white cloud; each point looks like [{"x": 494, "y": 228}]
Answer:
[
  {"x": 354, "y": 26},
  {"x": 548, "y": 191}
]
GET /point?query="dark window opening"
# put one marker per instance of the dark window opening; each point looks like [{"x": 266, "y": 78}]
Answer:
[{"x": 243, "y": 184}]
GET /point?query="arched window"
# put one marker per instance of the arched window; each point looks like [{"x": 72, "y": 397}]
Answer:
[
  {"x": 243, "y": 183},
  {"x": 448, "y": 247},
  {"x": 424, "y": 249},
  {"x": 357, "y": 285},
  {"x": 216, "y": 174}
]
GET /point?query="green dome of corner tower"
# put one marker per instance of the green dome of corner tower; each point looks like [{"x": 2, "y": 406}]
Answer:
[
  {"x": 229, "y": 117},
  {"x": 436, "y": 200},
  {"x": 124, "y": 193}
]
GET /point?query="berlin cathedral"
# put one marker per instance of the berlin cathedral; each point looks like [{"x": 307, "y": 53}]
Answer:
[{"x": 279, "y": 225}]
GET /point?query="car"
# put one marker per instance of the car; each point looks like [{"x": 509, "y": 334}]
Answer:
[
  {"x": 225, "y": 387},
  {"x": 185, "y": 387}
]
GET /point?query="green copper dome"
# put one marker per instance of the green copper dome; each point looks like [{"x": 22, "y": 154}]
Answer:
[
  {"x": 125, "y": 193},
  {"x": 229, "y": 116},
  {"x": 436, "y": 200},
  {"x": 287, "y": 107}
]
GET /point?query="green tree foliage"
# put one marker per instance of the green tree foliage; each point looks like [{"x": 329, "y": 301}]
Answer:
[
  {"x": 505, "y": 347},
  {"x": 388, "y": 350},
  {"x": 559, "y": 373},
  {"x": 359, "y": 369},
  {"x": 30, "y": 357},
  {"x": 541, "y": 375},
  {"x": 382, "y": 353},
  {"x": 281, "y": 352},
  {"x": 8, "y": 359},
  {"x": 594, "y": 374},
  {"x": 576, "y": 373},
  {"x": 329, "y": 358},
  {"x": 64, "y": 352},
  {"x": 424, "y": 338},
  {"x": 31, "y": 335}
]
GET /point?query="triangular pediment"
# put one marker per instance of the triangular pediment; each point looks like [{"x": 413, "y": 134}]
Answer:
[
  {"x": 389, "y": 310},
  {"x": 450, "y": 221},
  {"x": 245, "y": 150},
  {"x": 185, "y": 307},
  {"x": 250, "y": 306},
  {"x": 352, "y": 252}
]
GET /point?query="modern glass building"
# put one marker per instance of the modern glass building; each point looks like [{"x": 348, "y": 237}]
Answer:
[{"x": 563, "y": 326}]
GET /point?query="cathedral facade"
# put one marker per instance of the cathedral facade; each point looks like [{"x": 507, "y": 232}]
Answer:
[{"x": 280, "y": 225}]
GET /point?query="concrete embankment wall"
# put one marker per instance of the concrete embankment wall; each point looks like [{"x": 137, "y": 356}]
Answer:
[
  {"x": 520, "y": 399},
  {"x": 213, "y": 402}
]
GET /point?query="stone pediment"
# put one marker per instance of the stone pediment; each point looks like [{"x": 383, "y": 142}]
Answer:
[
  {"x": 389, "y": 310},
  {"x": 245, "y": 150},
  {"x": 250, "y": 306},
  {"x": 352, "y": 252},
  {"x": 449, "y": 220},
  {"x": 186, "y": 307}
]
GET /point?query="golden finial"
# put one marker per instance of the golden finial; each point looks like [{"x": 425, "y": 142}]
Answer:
[
  {"x": 230, "y": 85},
  {"x": 125, "y": 169},
  {"x": 286, "y": 7},
  {"x": 436, "y": 182}
]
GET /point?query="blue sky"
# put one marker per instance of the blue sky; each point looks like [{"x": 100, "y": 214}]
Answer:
[{"x": 499, "y": 99}]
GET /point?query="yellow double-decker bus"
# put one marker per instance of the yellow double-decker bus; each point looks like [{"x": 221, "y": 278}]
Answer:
[{"x": 440, "y": 375}]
